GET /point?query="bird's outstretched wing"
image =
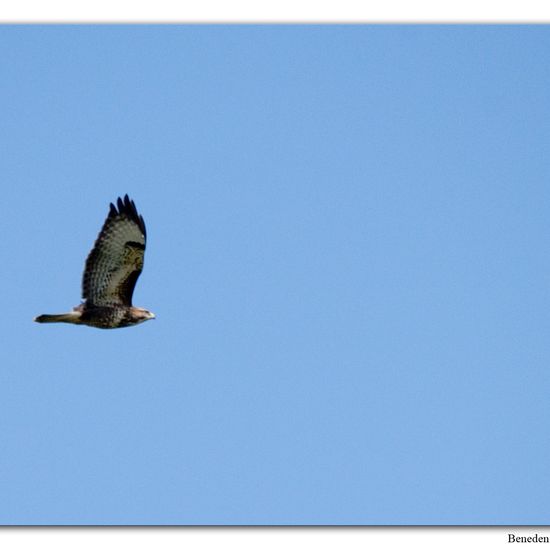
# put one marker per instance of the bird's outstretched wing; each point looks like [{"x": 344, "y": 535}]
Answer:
[{"x": 116, "y": 260}]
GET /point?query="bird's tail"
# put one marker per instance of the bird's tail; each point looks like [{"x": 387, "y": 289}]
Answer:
[{"x": 70, "y": 317}]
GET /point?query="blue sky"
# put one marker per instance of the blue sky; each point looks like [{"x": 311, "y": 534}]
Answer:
[{"x": 347, "y": 256}]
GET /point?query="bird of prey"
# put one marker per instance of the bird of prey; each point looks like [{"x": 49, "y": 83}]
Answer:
[{"x": 110, "y": 274}]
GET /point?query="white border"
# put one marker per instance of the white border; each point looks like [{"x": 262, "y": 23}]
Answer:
[
  {"x": 273, "y": 11},
  {"x": 265, "y": 538}
]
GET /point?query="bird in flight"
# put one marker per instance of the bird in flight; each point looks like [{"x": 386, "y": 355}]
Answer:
[{"x": 110, "y": 274}]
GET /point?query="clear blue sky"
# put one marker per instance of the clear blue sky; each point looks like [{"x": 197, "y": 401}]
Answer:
[{"x": 348, "y": 232}]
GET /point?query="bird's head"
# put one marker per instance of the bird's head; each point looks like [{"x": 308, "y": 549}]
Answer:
[{"x": 142, "y": 314}]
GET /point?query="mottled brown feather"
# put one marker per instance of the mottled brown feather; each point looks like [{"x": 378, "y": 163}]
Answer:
[{"x": 116, "y": 260}]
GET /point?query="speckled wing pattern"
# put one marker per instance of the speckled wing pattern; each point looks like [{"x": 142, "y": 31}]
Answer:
[{"x": 116, "y": 260}]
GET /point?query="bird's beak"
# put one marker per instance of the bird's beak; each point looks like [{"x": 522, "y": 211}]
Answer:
[{"x": 152, "y": 316}]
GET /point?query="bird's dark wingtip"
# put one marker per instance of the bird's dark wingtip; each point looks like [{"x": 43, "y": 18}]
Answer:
[{"x": 126, "y": 206}]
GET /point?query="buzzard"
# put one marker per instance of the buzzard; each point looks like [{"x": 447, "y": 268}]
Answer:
[{"x": 110, "y": 274}]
